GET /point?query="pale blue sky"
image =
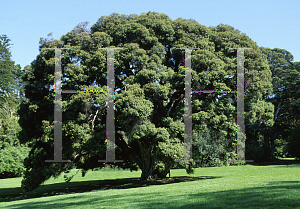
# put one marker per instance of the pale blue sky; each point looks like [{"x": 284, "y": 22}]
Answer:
[{"x": 270, "y": 23}]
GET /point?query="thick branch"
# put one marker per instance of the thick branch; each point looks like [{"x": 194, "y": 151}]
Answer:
[
  {"x": 277, "y": 111},
  {"x": 175, "y": 100},
  {"x": 94, "y": 119}
]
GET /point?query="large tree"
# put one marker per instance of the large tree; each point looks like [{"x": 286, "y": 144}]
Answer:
[{"x": 149, "y": 96}]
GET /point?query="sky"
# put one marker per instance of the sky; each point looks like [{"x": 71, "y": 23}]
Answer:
[{"x": 270, "y": 23}]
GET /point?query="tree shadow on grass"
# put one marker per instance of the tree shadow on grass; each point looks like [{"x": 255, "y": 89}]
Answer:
[
  {"x": 87, "y": 186},
  {"x": 275, "y": 194}
]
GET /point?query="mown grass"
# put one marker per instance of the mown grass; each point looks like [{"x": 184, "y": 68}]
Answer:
[{"x": 274, "y": 185}]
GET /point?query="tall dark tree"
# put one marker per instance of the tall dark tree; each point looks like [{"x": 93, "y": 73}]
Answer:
[{"x": 149, "y": 98}]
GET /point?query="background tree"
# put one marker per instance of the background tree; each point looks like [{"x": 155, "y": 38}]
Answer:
[
  {"x": 12, "y": 154},
  {"x": 11, "y": 77},
  {"x": 149, "y": 113},
  {"x": 5, "y": 69},
  {"x": 285, "y": 97}
]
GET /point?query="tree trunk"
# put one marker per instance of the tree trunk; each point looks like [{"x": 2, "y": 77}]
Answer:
[
  {"x": 267, "y": 144},
  {"x": 145, "y": 162},
  {"x": 165, "y": 172},
  {"x": 273, "y": 145},
  {"x": 148, "y": 166}
]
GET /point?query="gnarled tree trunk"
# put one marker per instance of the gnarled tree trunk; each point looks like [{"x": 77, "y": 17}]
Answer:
[{"x": 147, "y": 167}]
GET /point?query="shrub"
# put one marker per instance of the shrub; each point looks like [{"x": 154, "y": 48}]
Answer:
[
  {"x": 227, "y": 158},
  {"x": 11, "y": 161},
  {"x": 209, "y": 148},
  {"x": 237, "y": 163},
  {"x": 215, "y": 162}
]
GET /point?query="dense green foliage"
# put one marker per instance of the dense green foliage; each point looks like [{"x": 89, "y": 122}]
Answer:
[
  {"x": 12, "y": 153},
  {"x": 11, "y": 161},
  {"x": 149, "y": 111}
]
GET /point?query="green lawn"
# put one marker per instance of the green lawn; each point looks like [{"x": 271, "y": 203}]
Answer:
[{"x": 251, "y": 186}]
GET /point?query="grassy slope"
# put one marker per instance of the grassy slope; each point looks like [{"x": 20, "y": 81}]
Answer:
[{"x": 250, "y": 186}]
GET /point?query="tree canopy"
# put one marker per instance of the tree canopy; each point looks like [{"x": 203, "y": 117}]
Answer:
[{"x": 149, "y": 92}]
